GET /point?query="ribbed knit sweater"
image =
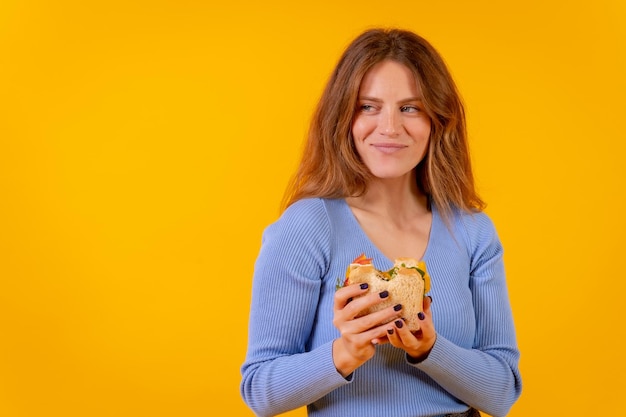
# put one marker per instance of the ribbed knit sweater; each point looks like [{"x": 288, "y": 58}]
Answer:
[{"x": 289, "y": 362}]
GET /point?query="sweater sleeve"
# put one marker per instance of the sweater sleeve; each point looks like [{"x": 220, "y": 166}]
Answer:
[
  {"x": 487, "y": 376},
  {"x": 279, "y": 374}
]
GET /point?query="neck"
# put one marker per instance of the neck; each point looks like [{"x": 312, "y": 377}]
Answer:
[{"x": 396, "y": 198}]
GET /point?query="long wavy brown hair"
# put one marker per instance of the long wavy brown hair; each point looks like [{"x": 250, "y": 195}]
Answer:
[{"x": 331, "y": 167}]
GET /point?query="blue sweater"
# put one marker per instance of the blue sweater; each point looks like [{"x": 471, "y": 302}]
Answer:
[{"x": 289, "y": 363}]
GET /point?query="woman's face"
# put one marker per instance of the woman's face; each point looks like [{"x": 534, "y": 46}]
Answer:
[{"x": 390, "y": 129}]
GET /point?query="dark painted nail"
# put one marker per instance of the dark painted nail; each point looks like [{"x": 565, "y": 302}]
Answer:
[
  {"x": 390, "y": 331},
  {"x": 384, "y": 294},
  {"x": 431, "y": 298},
  {"x": 397, "y": 307},
  {"x": 399, "y": 324},
  {"x": 421, "y": 316},
  {"x": 364, "y": 286}
]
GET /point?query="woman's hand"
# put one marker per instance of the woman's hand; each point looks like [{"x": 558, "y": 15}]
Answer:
[
  {"x": 417, "y": 344},
  {"x": 359, "y": 335}
]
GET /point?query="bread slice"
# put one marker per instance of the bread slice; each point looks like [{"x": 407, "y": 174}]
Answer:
[{"x": 404, "y": 282}]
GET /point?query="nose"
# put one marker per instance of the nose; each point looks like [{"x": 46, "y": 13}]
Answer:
[{"x": 390, "y": 124}]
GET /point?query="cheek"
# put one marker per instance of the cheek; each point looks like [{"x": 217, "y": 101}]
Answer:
[
  {"x": 361, "y": 128},
  {"x": 420, "y": 132},
  {"x": 420, "y": 127}
]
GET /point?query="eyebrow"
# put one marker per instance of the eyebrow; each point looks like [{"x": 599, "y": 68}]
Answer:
[{"x": 377, "y": 100}]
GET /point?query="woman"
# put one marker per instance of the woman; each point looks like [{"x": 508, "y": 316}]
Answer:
[{"x": 386, "y": 172}]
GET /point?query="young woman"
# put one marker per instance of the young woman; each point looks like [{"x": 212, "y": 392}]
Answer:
[{"x": 386, "y": 172}]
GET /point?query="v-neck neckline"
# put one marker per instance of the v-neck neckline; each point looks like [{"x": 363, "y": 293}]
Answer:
[{"x": 433, "y": 225}]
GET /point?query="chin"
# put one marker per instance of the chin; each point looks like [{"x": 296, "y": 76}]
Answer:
[
  {"x": 391, "y": 170},
  {"x": 389, "y": 174}
]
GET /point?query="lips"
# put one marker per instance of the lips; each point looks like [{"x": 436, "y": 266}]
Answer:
[{"x": 388, "y": 148}]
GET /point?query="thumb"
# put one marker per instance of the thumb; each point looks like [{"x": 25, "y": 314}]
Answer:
[{"x": 428, "y": 300}]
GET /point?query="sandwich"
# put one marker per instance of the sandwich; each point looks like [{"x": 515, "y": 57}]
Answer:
[{"x": 407, "y": 282}]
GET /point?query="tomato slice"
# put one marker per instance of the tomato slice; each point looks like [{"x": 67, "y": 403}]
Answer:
[{"x": 362, "y": 260}]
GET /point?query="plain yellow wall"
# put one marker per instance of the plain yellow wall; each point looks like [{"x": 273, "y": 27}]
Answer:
[{"x": 144, "y": 146}]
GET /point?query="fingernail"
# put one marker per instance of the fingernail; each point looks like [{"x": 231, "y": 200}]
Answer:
[
  {"x": 421, "y": 316},
  {"x": 390, "y": 331},
  {"x": 399, "y": 324},
  {"x": 384, "y": 294},
  {"x": 364, "y": 286},
  {"x": 431, "y": 298},
  {"x": 397, "y": 307}
]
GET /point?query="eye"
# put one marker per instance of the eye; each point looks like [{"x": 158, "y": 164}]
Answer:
[
  {"x": 410, "y": 109},
  {"x": 366, "y": 108}
]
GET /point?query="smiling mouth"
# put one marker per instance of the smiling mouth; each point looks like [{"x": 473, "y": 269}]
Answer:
[{"x": 388, "y": 148}]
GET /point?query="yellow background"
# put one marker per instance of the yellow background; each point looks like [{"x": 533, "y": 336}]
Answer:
[{"x": 144, "y": 146}]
